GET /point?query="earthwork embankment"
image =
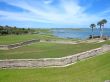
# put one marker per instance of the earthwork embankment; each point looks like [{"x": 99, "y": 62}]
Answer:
[
  {"x": 16, "y": 45},
  {"x": 48, "y": 62}
]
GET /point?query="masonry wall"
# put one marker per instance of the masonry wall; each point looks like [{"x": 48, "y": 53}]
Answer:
[
  {"x": 3, "y": 47},
  {"x": 12, "y": 46},
  {"x": 46, "y": 62}
]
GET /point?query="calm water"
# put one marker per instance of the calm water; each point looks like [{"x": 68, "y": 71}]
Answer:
[{"x": 82, "y": 33}]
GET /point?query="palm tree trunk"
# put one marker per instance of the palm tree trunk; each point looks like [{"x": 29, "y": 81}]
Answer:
[
  {"x": 92, "y": 33},
  {"x": 101, "y": 32}
]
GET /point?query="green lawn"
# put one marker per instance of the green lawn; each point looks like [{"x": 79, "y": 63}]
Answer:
[
  {"x": 10, "y": 39},
  {"x": 95, "y": 69},
  {"x": 41, "y": 34},
  {"x": 43, "y": 31},
  {"x": 47, "y": 50}
]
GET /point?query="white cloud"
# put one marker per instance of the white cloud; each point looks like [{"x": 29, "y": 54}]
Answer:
[
  {"x": 48, "y": 1},
  {"x": 69, "y": 12}
]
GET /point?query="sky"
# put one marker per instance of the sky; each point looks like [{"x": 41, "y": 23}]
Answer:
[{"x": 54, "y": 13}]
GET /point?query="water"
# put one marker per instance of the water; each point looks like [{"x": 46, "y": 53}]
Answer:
[{"x": 82, "y": 33}]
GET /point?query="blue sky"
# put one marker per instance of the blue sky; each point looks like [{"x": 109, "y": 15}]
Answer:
[{"x": 53, "y": 13}]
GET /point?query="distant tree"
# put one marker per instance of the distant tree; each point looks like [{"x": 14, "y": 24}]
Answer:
[
  {"x": 7, "y": 26},
  {"x": 104, "y": 21},
  {"x": 92, "y": 26},
  {"x": 1, "y": 27},
  {"x": 101, "y": 24},
  {"x": 14, "y": 27},
  {"x": 4, "y": 30}
]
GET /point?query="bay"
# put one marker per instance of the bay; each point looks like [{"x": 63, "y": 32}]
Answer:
[{"x": 79, "y": 33}]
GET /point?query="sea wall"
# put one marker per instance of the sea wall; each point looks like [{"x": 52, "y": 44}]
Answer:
[
  {"x": 46, "y": 62},
  {"x": 12, "y": 46}
]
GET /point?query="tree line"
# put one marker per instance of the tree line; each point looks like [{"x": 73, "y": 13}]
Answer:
[
  {"x": 6, "y": 30},
  {"x": 101, "y": 25}
]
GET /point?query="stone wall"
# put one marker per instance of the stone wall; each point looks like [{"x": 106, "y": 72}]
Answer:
[
  {"x": 46, "y": 62},
  {"x": 12, "y": 46},
  {"x": 3, "y": 47}
]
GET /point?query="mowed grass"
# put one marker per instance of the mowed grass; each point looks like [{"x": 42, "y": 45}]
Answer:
[
  {"x": 95, "y": 69},
  {"x": 11, "y": 39},
  {"x": 47, "y": 50}
]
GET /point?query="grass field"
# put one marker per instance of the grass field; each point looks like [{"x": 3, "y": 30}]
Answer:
[
  {"x": 96, "y": 69},
  {"x": 10, "y": 39},
  {"x": 47, "y": 50},
  {"x": 43, "y": 31},
  {"x": 40, "y": 34}
]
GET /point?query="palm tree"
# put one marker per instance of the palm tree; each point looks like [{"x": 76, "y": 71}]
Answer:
[
  {"x": 104, "y": 21},
  {"x": 101, "y": 23},
  {"x": 92, "y": 26}
]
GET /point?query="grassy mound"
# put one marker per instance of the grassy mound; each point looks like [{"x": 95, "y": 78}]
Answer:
[
  {"x": 46, "y": 50},
  {"x": 96, "y": 69}
]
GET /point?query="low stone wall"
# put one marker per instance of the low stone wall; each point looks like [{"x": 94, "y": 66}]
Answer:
[
  {"x": 46, "y": 62},
  {"x": 12, "y": 46},
  {"x": 3, "y": 47}
]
